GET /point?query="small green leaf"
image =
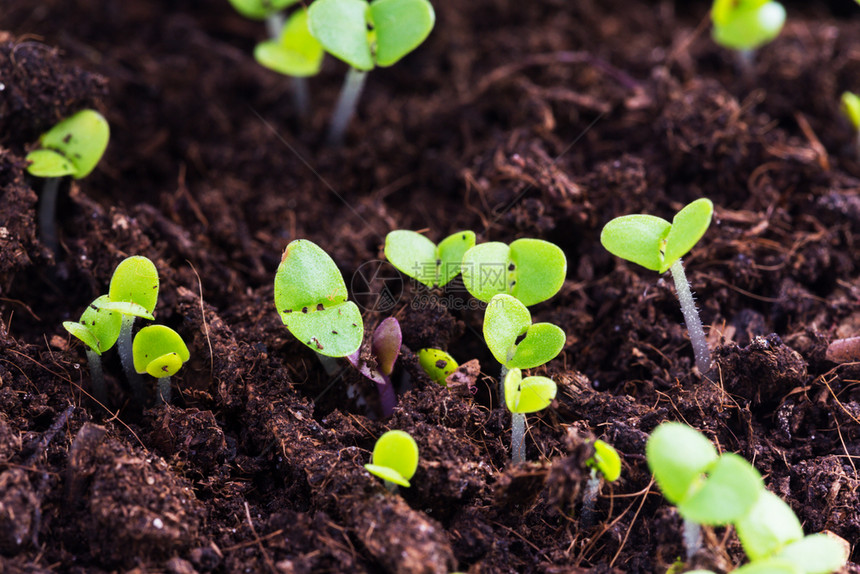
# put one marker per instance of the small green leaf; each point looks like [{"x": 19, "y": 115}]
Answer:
[
  {"x": 400, "y": 26},
  {"x": 768, "y": 526},
  {"x": 484, "y": 269},
  {"x": 437, "y": 364},
  {"x": 850, "y": 107},
  {"x": 81, "y": 139},
  {"x": 135, "y": 280},
  {"x": 47, "y": 163},
  {"x": 815, "y": 554},
  {"x": 334, "y": 332},
  {"x": 746, "y": 24},
  {"x": 732, "y": 487},
  {"x": 159, "y": 351},
  {"x": 395, "y": 457},
  {"x": 260, "y": 9},
  {"x": 542, "y": 343},
  {"x": 638, "y": 238},
  {"x": 528, "y": 395},
  {"x": 128, "y": 308},
  {"x": 102, "y": 323},
  {"x": 295, "y": 53},
  {"x": 688, "y": 226},
  {"x": 768, "y": 566},
  {"x": 413, "y": 254},
  {"x": 341, "y": 28},
  {"x": 678, "y": 456},
  {"x": 84, "y": 334},
  {"x": 505, "y": 319},
  {"x": 450, "y": 253},
  {"x": 606, "y": 461},
  {"x": 388, "y": 474}
]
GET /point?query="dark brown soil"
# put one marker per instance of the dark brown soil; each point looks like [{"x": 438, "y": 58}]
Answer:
[{"x": 533, "y": 119}]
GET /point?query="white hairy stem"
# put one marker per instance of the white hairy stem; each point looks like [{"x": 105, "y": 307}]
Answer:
[{"x": 691, "y": 318}]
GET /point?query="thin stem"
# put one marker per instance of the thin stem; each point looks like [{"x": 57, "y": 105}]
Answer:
[
  {"x": 329, "y": 364},
  {"x": 346, "y": 103},
  {"x": 387, "y": 397},
  {"x": 125, "y": 355},
  {"x": 97, "y": 377},
  {"x": 301, "y": 96},
  {"x": 589, "y": 501},
  {"x": 164, "y": 389},
  {"x": 502, "y": 375},
  {"x": 274, "y": 25},
  {"x": 518, "y": 434},
  {"x": 390, "y": 486},
  {"x": 746, "y": 63},
  {"x": 692, "y": 536},
  {"x": 691, "y": 318},
  {"x": 48, "y": 214}
]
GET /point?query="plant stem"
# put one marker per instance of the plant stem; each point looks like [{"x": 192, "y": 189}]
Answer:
[
  {"x": 518, "y": 434},
  {"x": 274, "y": 25},
  {"x": 502, "y": 375},
  {"x": 390, "y": 486},
  {"x": 589, "y": 501},
  {"x": 124, "y": 347},
  {"x": 746, "y": 63},
  {"x": 692, "y": 536},
  {"x": 48, "y": 214},
  {"x": 164, "y": 389},
  {"x": 329, "y": 364},
  {"x": 97, "y": 377},
  {"x": 691, "y": 318},
  {"x": 346, "y": 103},
  {"x": 387, "y": 397},
  {"x": 301, "y": 96}
]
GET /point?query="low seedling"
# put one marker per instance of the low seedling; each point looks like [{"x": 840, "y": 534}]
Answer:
[
  {"x": 851, "y": 110},
  {"x": 605, "y": 463},
  {"x": 532, "y": 270},
  {"x": 658, "y": 245},
  {"x": 311, "y": 298},
  {"x": 365, "y": 36},
  {"x": 418, "y": 257},
  {"x": 161, "y": 352},
  {"x": 745, "y": 25},
  {"x": 395, "y": 459},
  {"x": 523, "y": 396},
  {"x": 384, "y": 348},
  {"x": 72, "y": 147},
  {"x": 437, "y": 364},
  {"x": 98, "y": 329}
]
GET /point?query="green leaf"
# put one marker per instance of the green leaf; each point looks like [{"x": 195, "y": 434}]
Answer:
[
  {"x": 606, "y": 461},
  {"x": 128, "y": 308},
  {"x": 732, "y": 487},
  {"x": 768, "y": 566},
  {"x": 678, "y": 456},
  {"x": 159, "y": 351},
  {"x": 505, "y": 319},
  {"x": 484, "y": 269},
  {"x": 396, "y": 451},
  {"x": 260, "y": 9},
  {"x": 135, "y": 280},
  {"x": 542, "y": 343},
  {"x": 413, "y": 255},
  {"x": 400, "y": 26},
  {"x": 81, "y": 139},
  {"x": 637, "y": 238},
  {"x": 102, "y": 324},
  {"x": 47, "y": 163},
  {"x": 815, "y": 554},
  {"x": 310, "y": 296},
  {"x": 528, "y": 395},
  {"x": 437, "y": 364},
  {"x": 450, "y": 255},
  {"x": 850, "y": 107},
  {"x": 688, "y": 226},
  {"x": 768, "y": 526},
  {"x": 295, "y": 53},
  {"x": 747, "y": 25},
  {"x": 341, "y": 28},
  {"x": 388, "y": 474}
]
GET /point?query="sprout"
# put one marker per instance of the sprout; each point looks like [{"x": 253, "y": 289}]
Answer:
[
  {"x": 385, "y": 348},
  {"x": 98, "y": 329},
  {"x": 311, "y": 298},
  {"x": 656, "y": 244},
  {"x": 419, "y": 258},
  {"x": 851, "y": 110},
  {"x": 396, "y": 28},
  {"x": 437, "y": 364},
  {"x": 161, "y": 352},
  {"x": 395, "y": 459},
  {"x": 746, "y": 25},
  {"x": 72, "y": 147},
  {"x": 523, "y": 396},
  {"x": 532, "y": 270},
  {"x": 606, "y": 462}
]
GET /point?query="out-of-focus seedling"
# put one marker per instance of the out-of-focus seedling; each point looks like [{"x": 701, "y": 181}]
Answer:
[
  {"x": 161, "y": 352},
  {"x": 746, "y": 25},
  {"x": 707, "y": 488},
  {"x": 365, "y": 36},
  {"x": 311, "y": 298},
  {"x": 658, "y": 245},
  {"x": 395, "y": 459},
  {"x": 605, "y": 463},
  {"x": 260, "y": 9},
  {"x": 437, "y": 364},
  {"x": 98, "y": 329},
  {"x": 523, "y": 396},
  {"x": 532, "y": 270},
  {"x": 418, "y": 257},
  {"x": 851, "y": 109},
  {"x": 72, "y": 147},
  {"x": 384, "y": 348}
]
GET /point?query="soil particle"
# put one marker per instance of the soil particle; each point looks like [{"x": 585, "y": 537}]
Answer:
[{"x": 19, "y": 511}]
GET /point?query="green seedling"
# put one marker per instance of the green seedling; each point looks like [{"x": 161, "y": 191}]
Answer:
[
  {"x": 606, "y": 463},
  {"x": 706, "y": 488},
  {"x": 99, "y": 330},
  {"x": 437, "y": 364},
  {"x": 746, "y": 25},
  {"x": 161, "y": 352},
  {"x": 395, "y": 459},
  {"x": 418, "y": 257},
  {"x": 311, "y": 298},
  {"x": 72, "y": 147},
  {"x": 524, "y": 396},
  {"x": 532, "y": 270},
  {"x": 658, "y": 245},
  {"x": 260, "y": 9},
  {"x": 366, "y": 35},
  {"x": 851, "y": 110}
]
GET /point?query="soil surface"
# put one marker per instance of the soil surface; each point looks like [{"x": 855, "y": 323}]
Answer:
[{"x": 531, "y": 119}]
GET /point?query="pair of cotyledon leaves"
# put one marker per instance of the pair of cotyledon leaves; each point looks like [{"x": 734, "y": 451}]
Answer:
[
  {"x": 528, "y": 395},
  {"x": 395, "y": 457},
  {"x": 714, "y": 489},
  {"x": 72, "y": 147},
  {"x": 746, "y": 24}
]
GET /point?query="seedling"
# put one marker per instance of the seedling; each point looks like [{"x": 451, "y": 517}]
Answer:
[
  {"x": 532, "y": 270},
  {"x": 260, "y": 9},
  {"x": 161, "y": 352},
  {"x": 311, "y": 298},
  {"x": 523, "y": 396},
  {"x": 394, "y": 459},
  {"x": 851, "y": 110},
  {"x": 745, "y": 25},
  {"x": 607, "y": 464},
  {"x": 437, "y": 364},
  {"x": 384, "y": 348},
  {"x": 365, "y": 36},
  {"x": 98, "y": 329},
  {"x": 707, "y": 488},
  {"x": 418, "y": 257},
  {"x": 658, "y": 245},
  {"x": 72, "y": 147}
]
